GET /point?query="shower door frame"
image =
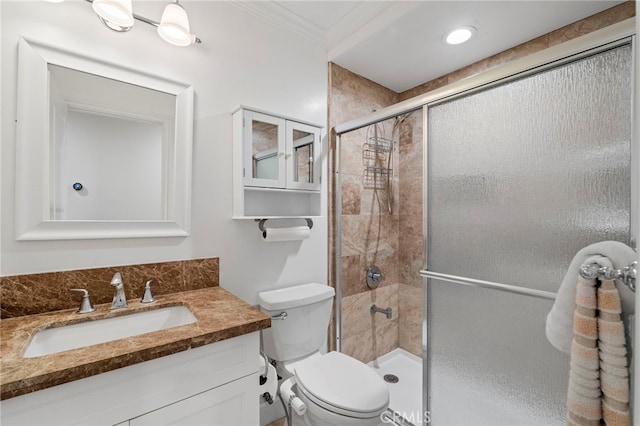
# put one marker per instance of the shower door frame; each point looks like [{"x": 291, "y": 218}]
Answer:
[{"x": 607, "y": 38}]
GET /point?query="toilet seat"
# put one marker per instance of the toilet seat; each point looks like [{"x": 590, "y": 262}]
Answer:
[{"x": 343, "y": 385}]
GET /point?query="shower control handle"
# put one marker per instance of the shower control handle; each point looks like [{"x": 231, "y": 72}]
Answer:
[{"x": 374, "y": 276}]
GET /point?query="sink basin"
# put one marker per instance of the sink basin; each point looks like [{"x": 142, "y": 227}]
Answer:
[{"x": 58, "y": 339}]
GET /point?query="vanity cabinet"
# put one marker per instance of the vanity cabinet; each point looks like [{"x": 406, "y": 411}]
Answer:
[
  {"x": 277, "y": 166},
  {"x": 225, "y": 405},
  {"x": 215, "y": 384}
]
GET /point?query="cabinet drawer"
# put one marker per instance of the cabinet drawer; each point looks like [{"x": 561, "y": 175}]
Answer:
[{"x": 233, "y": 404}]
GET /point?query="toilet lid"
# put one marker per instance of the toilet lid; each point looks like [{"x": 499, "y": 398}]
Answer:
[{"x": 343, "y": 384}]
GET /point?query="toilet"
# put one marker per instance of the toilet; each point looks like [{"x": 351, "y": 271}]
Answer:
[{"x": 320, "y": 389}]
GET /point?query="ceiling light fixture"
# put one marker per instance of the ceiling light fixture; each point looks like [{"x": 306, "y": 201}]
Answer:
[
  {"x": 115, "y": 14},
  {"x": 459, "y": 35},
  {"x": 172, "y": 28}
]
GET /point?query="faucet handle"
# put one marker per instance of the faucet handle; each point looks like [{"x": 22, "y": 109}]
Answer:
[
  {"x": 85, "y": 306},
  {"x": 117, "y": 279},
  {"x": 147, "y": 297}
]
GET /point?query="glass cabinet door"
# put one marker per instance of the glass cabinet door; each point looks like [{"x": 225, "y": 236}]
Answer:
[
  {"x": 303, "y": 146},
  {"x": 264, "y": 162}
]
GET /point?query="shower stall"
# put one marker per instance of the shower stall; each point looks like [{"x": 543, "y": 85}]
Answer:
[{"x": 510, "y": 172}]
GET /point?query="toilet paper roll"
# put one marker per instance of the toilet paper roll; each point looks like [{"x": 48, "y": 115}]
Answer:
[
  {"x": 291, "y": 233},
  {"x": 271, "y": 385}
]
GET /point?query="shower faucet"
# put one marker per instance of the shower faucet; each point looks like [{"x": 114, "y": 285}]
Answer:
[{"x": 388, "y": 312}]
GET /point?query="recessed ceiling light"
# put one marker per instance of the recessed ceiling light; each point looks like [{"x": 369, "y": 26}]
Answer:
[{"x": 459, "y": 35}]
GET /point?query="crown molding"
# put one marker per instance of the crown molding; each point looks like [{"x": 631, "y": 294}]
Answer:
[{"x": 281, "y": 17}]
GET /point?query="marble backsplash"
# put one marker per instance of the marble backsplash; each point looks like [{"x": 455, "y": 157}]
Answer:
[{"x": 45, "y": 292}]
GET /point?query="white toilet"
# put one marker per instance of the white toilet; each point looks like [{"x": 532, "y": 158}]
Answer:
[{"x": 325, "y": 389}]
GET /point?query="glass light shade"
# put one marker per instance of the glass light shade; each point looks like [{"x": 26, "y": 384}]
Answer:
[
  {"x": 459, "y": 35},
  {"x": 115, "y": 13},
  {"x": 174, "y": 26}
]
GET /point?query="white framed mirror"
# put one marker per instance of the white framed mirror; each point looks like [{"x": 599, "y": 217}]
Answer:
[{"x": 103, "y": 151}]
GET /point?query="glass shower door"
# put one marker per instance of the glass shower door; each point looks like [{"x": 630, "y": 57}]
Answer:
[{"x": 520, "y": 176}]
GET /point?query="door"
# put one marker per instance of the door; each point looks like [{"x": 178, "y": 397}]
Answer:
[
  {"x": 303, "y": 152},
  {"x": 264, "y": 150},
  {"x": 520, "y": 177}
]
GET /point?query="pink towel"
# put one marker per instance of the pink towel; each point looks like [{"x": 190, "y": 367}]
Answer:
[{"x": 598, "y": 377}]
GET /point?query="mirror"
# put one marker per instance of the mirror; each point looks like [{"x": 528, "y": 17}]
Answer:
[
  {"x": 108, "y": 154},
  {"x": 102, "y": 151},
  {"x": 303, "y": 143},
  {"x": 265, "y": 150}
]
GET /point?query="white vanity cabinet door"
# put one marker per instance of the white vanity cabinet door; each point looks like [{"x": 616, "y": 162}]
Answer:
[{"x": 228, "y": 405}]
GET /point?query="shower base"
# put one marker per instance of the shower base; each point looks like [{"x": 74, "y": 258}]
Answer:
[{"x": 406, "y": 393}]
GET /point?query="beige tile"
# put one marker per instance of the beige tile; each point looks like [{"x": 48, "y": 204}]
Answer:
[
  {"x": 359, "y": 346},
  {"x": 351, "y": 190},
  {"x": 356, "y": 317},
  {"x": 592, "y": 23},
  {"x": 410, "y": 319},
  {"x": 517, "y": 52},
  {"x": 353, "y": 275},
  {"x": 279, "y": 422}
]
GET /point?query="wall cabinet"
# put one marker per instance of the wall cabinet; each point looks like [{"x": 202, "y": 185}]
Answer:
[
  {"x": 277, "y": 166},
  {"x": 215, "y": 384}
]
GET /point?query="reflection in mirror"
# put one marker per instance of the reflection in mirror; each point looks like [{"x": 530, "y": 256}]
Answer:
[
  {"x": 303, "y": 155},
  {"x": 265, "y": 150},
  {"x": 117, "y": 150},
  {"x": 102, "y": 150}
]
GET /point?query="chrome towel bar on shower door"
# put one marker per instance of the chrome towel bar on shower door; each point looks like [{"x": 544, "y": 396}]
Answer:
[{"x": 488, "y": 284}]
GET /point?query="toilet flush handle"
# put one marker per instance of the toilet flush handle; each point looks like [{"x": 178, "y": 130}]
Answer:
[{"x": 281, "y": 316}]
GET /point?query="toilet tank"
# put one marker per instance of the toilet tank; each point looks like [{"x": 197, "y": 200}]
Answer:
[{"x": 303, "y": 331}]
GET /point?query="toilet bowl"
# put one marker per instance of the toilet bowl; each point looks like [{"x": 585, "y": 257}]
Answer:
[
  {"x": 339, "y": 390},
  {"x": 320, "y": 389}
]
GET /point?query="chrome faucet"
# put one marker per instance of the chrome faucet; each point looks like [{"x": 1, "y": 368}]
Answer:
[
  {"x": 86, "y": 305},
  {"x": 119, "y": 299},
  {"x": 147, "y": 297},
  {"x": 388, "y": 312}
]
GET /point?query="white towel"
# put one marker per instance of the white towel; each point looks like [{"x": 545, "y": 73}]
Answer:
[{"x": 614, "y": 254}]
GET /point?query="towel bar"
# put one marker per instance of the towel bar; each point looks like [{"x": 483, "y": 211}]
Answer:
[
  {"x": 626, "y": 275},
  {"x": 525, "y": 291}
]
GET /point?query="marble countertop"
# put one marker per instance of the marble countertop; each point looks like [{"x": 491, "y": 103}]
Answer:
[{"x": 220, "y": 315}]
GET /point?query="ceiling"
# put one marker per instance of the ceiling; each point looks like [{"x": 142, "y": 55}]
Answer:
[{"x": 398, "y": 44}]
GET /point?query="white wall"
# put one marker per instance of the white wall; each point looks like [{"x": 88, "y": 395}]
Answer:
[{"x": 242, "y": 60}]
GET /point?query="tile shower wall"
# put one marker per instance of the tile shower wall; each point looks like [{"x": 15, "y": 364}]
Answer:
[
  {"x": 369, "y": 232},
  {"x": 395, "y": 241},
  {"x": 38, "y": 293}
]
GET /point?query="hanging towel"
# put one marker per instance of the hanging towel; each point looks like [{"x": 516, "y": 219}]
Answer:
[
  {"x": 559, "y": 326},
  {"x": 598, "y": 376}
]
